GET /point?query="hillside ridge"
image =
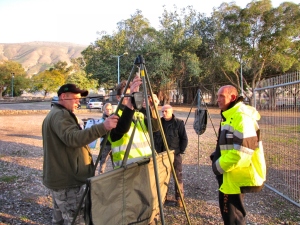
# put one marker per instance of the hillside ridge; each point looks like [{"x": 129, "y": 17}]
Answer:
[{"x": 38, "y": 56}]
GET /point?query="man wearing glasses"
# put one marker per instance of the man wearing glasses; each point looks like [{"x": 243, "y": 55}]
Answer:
[{"x": 67, "y": 158}]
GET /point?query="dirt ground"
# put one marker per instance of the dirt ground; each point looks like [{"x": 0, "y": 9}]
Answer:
[{"x": 24, "y": 199}]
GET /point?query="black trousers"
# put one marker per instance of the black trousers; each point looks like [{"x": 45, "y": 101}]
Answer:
[
  {"x": 178, "y": 171},
  {"x": 232, "y": 208}
]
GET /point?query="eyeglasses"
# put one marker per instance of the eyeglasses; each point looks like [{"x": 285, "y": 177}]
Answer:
[{"x": 72, "y": 98}]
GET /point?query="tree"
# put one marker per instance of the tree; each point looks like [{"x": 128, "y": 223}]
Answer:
[
  {"x": 179, "y": 37},
  {"x": 19, "y": 82},
  {"x": 62, "y": 68},
  {"x": 47, "y": 81},
  {"x": 134, "y": 36},
  {"x": 99, "y": 61},
  {"x": 212, "y": 78},
  {"x": 82, "y": 80},
  {"x": 259, "y": 38},
  {"x": 233, "y": 46}
]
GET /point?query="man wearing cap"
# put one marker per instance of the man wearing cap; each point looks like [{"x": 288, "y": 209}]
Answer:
[{"x": 67, "y": 158}]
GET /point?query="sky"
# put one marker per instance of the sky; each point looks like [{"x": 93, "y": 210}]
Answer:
[{"x": 78, "y": 21}]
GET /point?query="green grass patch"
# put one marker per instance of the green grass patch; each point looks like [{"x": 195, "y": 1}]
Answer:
[
  {"x": 289, "y": 217},
  {"x": 24, "y": 218},
  {"x": 8, "y": 179},
  {"x": 274, "y": 159},
  {"x": 19, "y": 152},
  {"x": 283, "y": 129},
  {"x": 293, "y": 128}
]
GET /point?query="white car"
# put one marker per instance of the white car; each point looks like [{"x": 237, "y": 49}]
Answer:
[{"x": 94, "y": 103}]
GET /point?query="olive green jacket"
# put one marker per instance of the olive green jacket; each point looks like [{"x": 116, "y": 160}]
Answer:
[{"x": 67, "y": 158}]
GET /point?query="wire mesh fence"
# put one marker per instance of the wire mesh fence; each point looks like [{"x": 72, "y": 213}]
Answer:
[{"x": 278, "y": 101}]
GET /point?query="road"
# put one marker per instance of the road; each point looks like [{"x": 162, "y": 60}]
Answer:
[{"x": 25, "y": 106}]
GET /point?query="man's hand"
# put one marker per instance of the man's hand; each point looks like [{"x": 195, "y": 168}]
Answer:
[
  {"x": 111, "y": 122},
  {"x": 134, "y": 87},
  {"x": 154, "y": 101},
  {"x": 151, "y": 105}
]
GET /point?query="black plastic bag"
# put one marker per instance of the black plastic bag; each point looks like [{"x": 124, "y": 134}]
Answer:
[{"x": 200, "y": 121}]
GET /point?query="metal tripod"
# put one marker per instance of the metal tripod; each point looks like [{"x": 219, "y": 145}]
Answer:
[{"x": 140, "y": 64}]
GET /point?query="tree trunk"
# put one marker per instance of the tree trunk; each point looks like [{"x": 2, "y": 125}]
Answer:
[{"x": 1, "y": 93}]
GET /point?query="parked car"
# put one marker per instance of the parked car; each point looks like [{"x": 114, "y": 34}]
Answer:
[
  {"x": 94, "y": 103},
  {"x": 55, "y": 100}
]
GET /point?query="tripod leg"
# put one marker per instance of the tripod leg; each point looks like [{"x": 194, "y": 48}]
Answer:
[
  {"x": 145, "y": 76},
  {"x": 124, "y": 162},
  {"x": 125, "y": 89},
  {"x": 150, "y": 131},
  {"x": 80, "y": 204}
]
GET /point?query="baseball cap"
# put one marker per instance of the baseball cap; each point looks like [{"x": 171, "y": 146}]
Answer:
[{"x": 73, "y": 89}]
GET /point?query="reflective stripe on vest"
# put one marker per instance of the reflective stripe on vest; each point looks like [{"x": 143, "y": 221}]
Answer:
[
  {"x": 242, "y": 160},
  {"x": 140, "y": 146}
]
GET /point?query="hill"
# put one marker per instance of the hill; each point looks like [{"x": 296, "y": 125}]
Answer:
[{"x": 38, "y": 56}]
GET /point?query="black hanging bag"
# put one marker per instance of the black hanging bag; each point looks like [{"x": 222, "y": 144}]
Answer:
[{"x": 200, "y": 121}]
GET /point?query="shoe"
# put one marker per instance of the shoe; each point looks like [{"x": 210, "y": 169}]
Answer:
[
  {"x": 170, "y": 203},
  {"x": 179, "y": 203}
]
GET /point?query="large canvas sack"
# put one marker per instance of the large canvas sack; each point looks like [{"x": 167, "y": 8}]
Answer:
[{"x": 128, "y": 196}]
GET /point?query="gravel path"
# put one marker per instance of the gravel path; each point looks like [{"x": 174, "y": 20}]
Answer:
[{"x": 24, "y": 200}]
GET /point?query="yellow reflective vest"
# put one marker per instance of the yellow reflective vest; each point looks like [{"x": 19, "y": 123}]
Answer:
[
  {"x": 242, "y": 160},
  {"x": 140, "y": 147}
]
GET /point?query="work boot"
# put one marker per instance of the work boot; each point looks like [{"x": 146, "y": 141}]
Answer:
[{"x": 179, "y": 203}]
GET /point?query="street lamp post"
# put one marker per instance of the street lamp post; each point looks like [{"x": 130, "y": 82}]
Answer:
[
  {"x": 119, "y": 56},
  {"x": 12, "y": 84},
  {"x": 242, "y": 91}
]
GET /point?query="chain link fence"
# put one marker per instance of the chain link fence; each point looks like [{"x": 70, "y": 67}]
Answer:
[{"x": 278, "y": 101}]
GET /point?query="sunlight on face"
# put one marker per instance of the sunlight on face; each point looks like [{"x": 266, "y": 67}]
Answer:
[
  {"x": 167, "y": 112},
  {"x": 108, "y": 110},
  {"x": 70, "y": 100},
  {"x": 224, "y": 98}
]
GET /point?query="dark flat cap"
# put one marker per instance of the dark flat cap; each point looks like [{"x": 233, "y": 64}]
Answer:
[{"x": 73, "y": 89}]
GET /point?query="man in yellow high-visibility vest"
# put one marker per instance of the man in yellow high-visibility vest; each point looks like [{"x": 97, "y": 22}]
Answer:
[
  {"x": 238, "y": 161},
  {"x": 129, "y": 118}
]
